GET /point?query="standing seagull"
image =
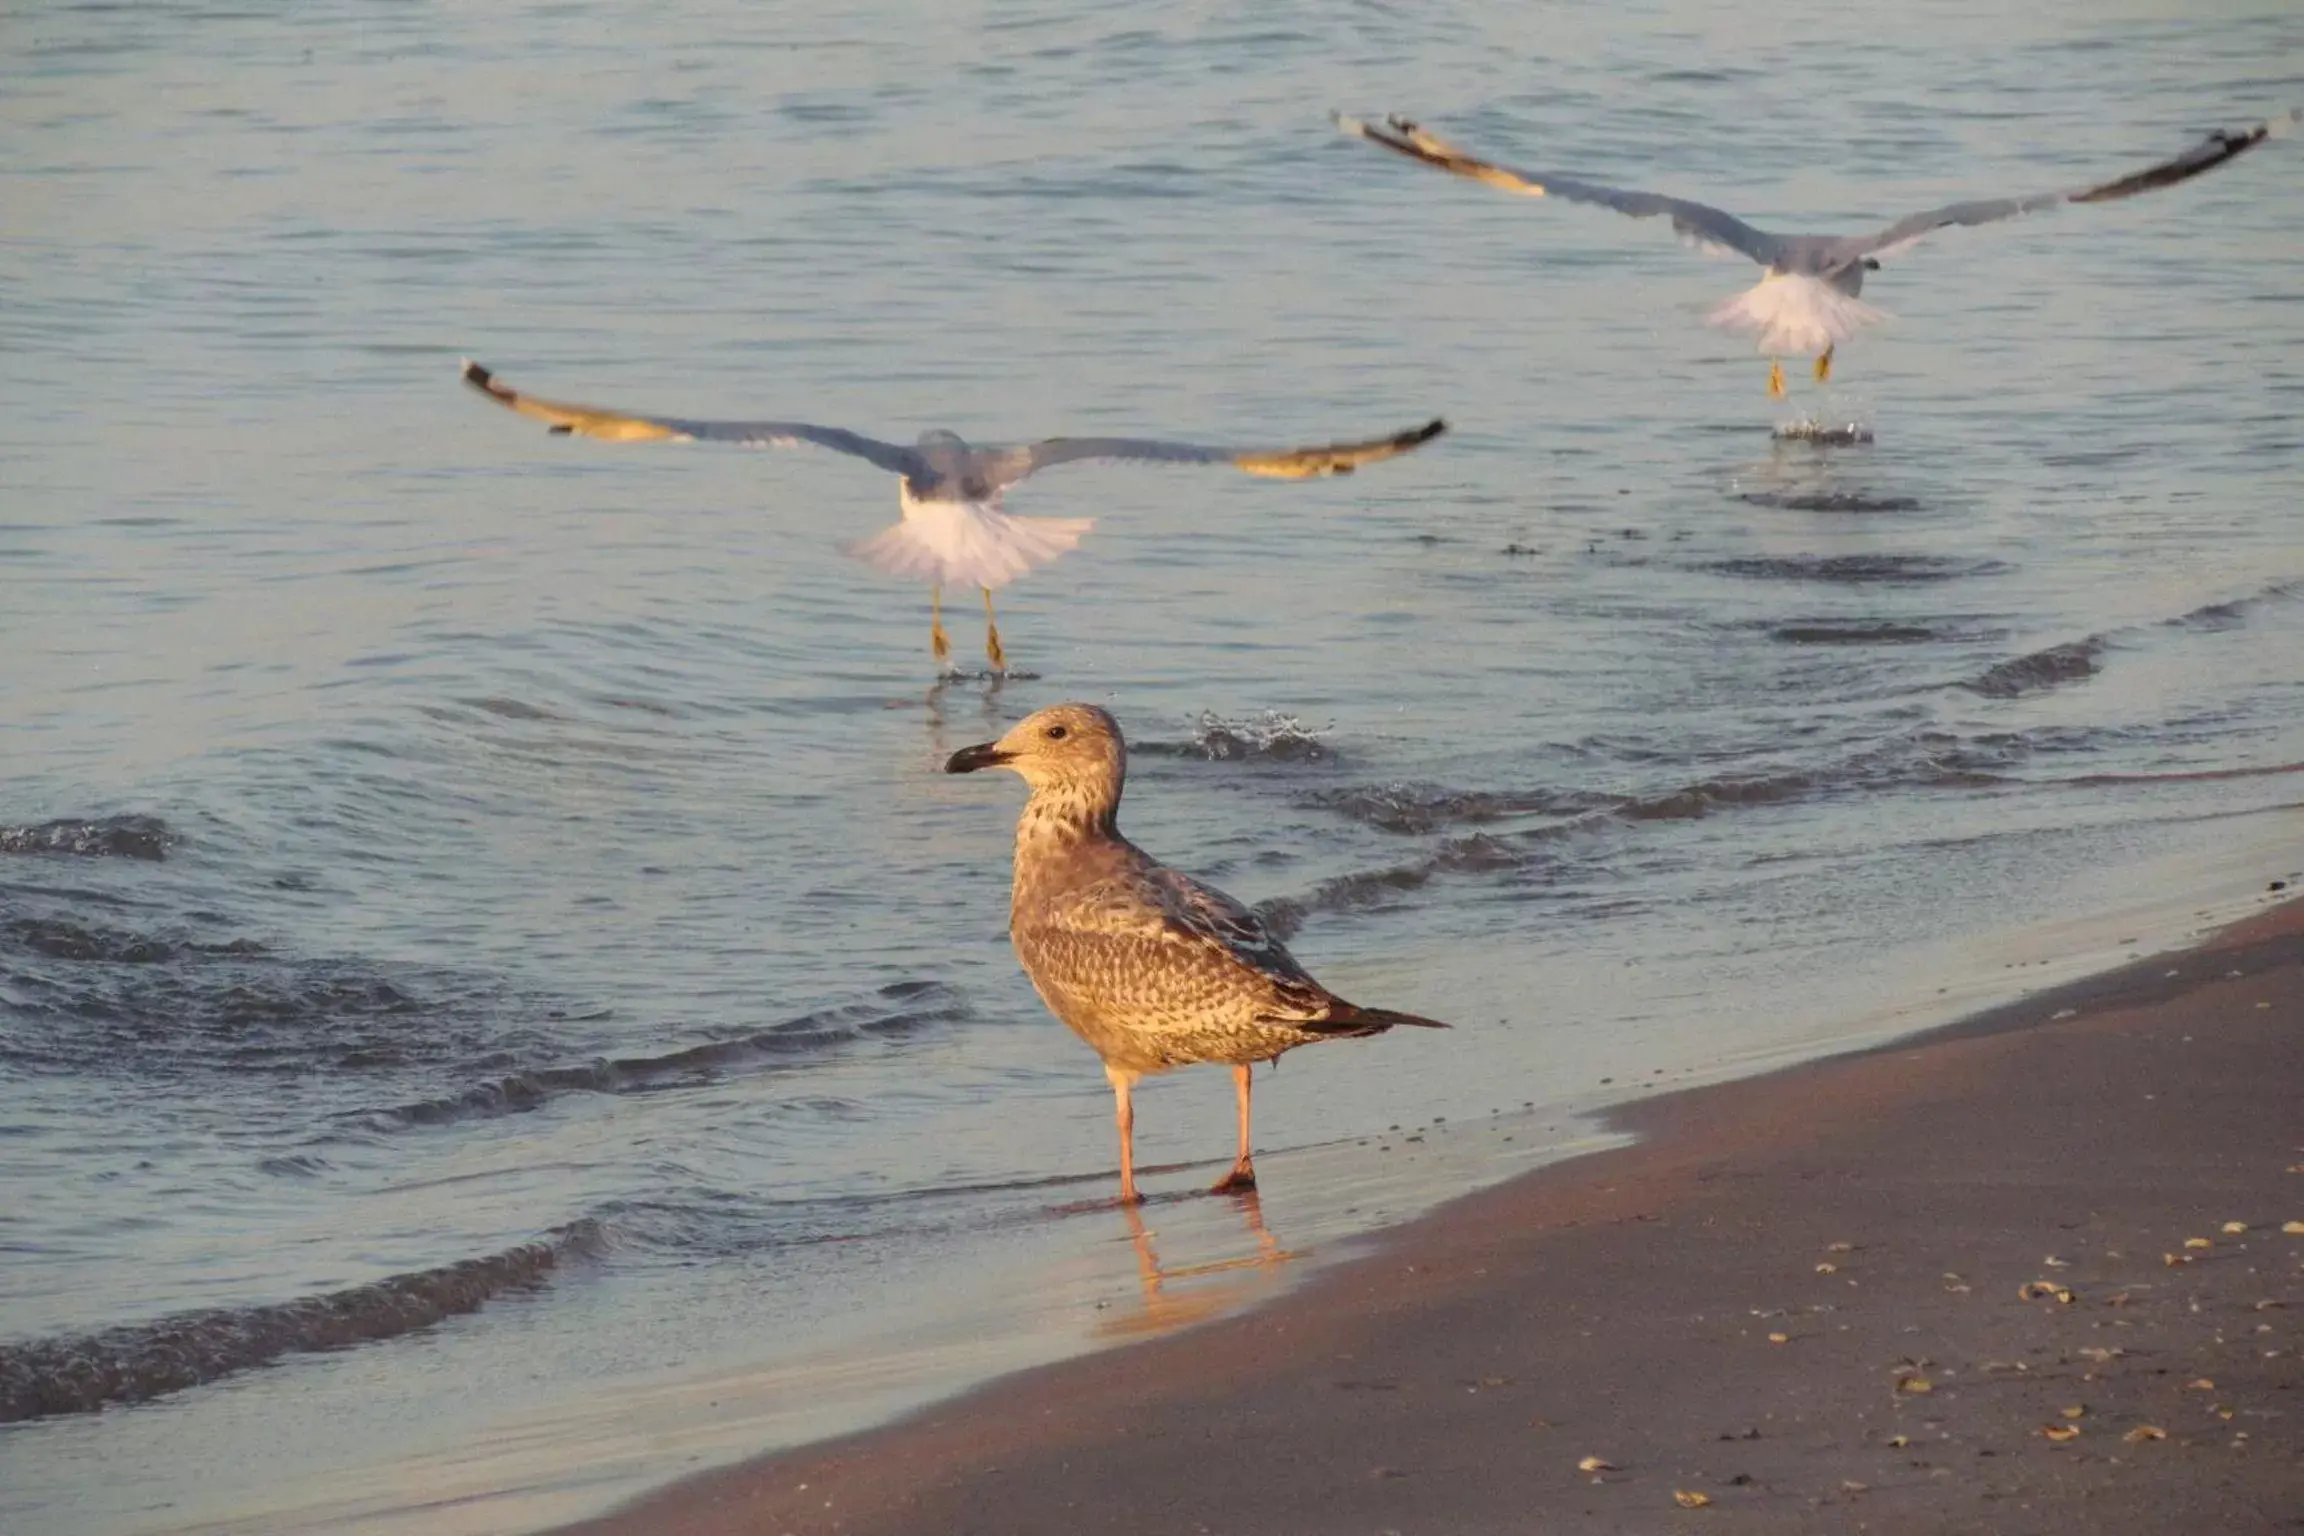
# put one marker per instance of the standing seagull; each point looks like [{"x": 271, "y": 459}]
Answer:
[
  {"x": 953, "y": 529},
  {"x": 1807, "y": 302},
  {"x": 1150, "y": 967}
]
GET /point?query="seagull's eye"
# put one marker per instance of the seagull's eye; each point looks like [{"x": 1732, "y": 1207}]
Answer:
[{"x": 1057, "y": 733}]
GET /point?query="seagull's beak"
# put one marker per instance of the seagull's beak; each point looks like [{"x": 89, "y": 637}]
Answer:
[{"x": 969, "y": 759}]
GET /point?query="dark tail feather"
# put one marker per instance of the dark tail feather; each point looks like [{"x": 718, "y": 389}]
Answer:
[{"x": 1351, "y": 1019}]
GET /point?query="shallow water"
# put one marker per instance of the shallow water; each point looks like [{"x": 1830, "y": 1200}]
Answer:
[{"x": 443, "y": 867}]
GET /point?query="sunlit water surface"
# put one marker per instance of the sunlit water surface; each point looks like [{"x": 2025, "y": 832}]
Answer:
[{"x": 444, "y": 867}]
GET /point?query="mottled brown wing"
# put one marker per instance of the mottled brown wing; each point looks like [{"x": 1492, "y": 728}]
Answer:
[{"x": 1158, "y": 945}]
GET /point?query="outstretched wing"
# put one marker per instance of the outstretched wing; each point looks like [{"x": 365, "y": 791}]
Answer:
[
  {"x": 1697, "y": 221},
  {"x": 2204, "y": 156},
  {"x": 1014, "y": 464},
  {"x": 621, "y": 427}
]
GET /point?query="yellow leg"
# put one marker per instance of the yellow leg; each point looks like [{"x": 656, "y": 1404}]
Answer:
[
  {"x": 992, "y": 649},
  {"x": 1775, "y": 379},
  {"x": 1824, "y": 366},
  {"x": 938, "y": 641}
]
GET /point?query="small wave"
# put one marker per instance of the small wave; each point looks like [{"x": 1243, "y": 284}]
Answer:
[
  {"x": 1857, "y": 634},
  {"x": 1830, "y": 501},
  {"x": 1478, "y": 853},
  {"x": 2072, "y": 662},
  {"x": 901, "y": 1008},
  {"x": 112, "y": 837},
  {"x": 1413, "y": 808},
  {"x": 1270, "y": 737},
  {"x": 1695, "y": 800},
  {"x": 1853, "y": 570},
  {"x": 2232, "y": 614},
  {"x": 82, "y": 1373},
  {"x": 511, "y": 709},
  {"x": 1927, "y": 760},
  {"x": 87, "y": 996}
]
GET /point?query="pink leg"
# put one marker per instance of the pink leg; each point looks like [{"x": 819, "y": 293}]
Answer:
[
  {"x": 1243, "y": 1174},
  {"x": 1124, "y": 1115}
]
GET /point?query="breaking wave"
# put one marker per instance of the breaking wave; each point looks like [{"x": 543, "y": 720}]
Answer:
[
  {"x": 111, "y": 837},
  {"x": 82, "y": 1373},
  {"x": 2075, "y": 661},
  {"x": 1270, "y": 737},
  {"x": 2233, "y": 613}
]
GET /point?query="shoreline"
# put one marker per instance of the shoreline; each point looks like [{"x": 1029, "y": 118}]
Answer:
[{"x": 1626, "y": 1305}]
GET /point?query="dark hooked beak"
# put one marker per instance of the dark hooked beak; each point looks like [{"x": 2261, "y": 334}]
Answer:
[{"x": 969, "y": 759}]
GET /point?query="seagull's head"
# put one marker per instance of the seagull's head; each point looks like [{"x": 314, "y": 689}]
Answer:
[{"x": 1070, "y": 749}]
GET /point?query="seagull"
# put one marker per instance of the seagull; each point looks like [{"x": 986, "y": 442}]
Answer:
[
  {"x": 1150, "y": 967},
  {"x": 953, "y": 529},
  {"x": 1808, "y": 300}
]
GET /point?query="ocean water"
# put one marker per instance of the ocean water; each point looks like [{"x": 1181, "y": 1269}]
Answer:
[{"x": 499, "y": 1007}]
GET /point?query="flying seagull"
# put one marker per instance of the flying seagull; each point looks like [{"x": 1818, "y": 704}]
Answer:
[
  {"x": 953, "y": 529},
  {"x": 1808, "y": 301},
  {"x": 1150, "y": 967}
]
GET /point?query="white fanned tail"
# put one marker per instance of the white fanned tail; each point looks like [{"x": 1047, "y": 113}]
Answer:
[
  {"x": 965, "y": 543},
  {"x": 1790, "y": 313}
]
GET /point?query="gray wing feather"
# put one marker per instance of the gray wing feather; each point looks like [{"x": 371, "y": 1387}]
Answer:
[
  {"x": 1698, "y": 221},
  {"x": 892, "y": 457},
  {"x": 2209, "y": 153},
  {"x": 1013, "y": 464},
  {"x": 1010, "y": 465},
  {"x": 630, "y": 427}
]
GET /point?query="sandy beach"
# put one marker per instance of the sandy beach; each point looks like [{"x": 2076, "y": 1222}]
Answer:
[{"x": 2040, "y": 1271}]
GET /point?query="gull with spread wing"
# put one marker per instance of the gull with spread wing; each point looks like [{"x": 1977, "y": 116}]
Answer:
[
  {"x": 953, "y": 529},
  {"x": 1150, "y": 967},
  {"x": 1807, "y": 302}
]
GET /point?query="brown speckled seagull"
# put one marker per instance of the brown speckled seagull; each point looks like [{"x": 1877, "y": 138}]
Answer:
[{"x": 1150, "y": 967}]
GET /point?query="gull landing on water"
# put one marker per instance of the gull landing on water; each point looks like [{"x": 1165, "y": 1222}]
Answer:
[
  {"x": 1807, "y": 302},
  {"x": 953, "y": 530},
  {"x": 1150, "y": 967}
]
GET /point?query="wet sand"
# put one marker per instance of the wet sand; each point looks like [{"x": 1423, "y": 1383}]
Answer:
[{"x": 1985, "y": 1280}]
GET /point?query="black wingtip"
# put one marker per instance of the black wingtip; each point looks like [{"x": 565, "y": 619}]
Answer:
[
  {"x": 1429, "y": 430},
  {"x": 477, "y": 376},
  {"x": 1351, "y": 1018},
  {"x": 2219, "y": 146}
]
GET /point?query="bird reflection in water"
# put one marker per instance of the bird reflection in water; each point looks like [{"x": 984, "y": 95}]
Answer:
[{"x": 1177, "y": 1296}]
